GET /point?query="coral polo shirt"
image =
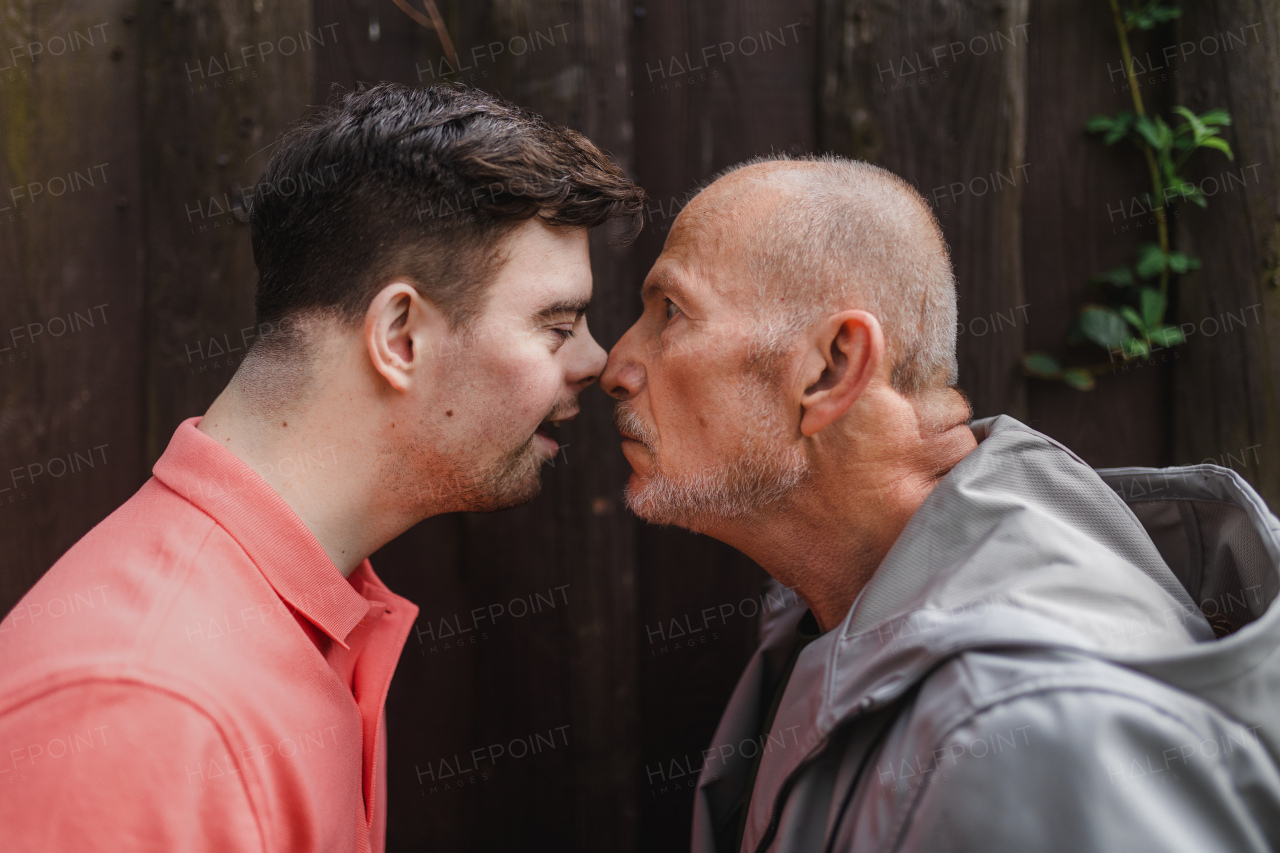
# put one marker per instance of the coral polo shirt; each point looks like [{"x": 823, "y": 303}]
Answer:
[{"x": 196, "y": 674}]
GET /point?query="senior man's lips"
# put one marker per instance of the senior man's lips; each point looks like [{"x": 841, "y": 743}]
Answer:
[
  {"x": 630, "y": 439},
  {"x": 637, "y": 452}
]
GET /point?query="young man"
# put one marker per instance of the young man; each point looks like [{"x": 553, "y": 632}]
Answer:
[
  {"x": 424, "y": 254},
  {"x": 1002, "y": 650}
]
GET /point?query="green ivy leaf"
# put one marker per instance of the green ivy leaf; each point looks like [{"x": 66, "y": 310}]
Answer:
[
  {"x": 1150, "y": 15},
  {"x": 1041, "y": 364},
  {"x": 1120, "y": 276},
  {"x": 1151, "y": 261},
  {"x": 1079, "y": 379},
  {"x": 1217, "y": 143},
  {"x": 1168, "y": 336},
  {"x": 1133, "y": 317},
  {"x": 1198, "y": 127},
  {"x": 1180, "y": 262},
  {"x": 1153, "y": 305},
  {"x": 1136, "y": 348},
  {"x": 1114, "y": 128},
  {"x": 1184, "y": 189},
  {"x": 1215, "y": 117},
  {"x": 1147, "y": 129},
  {"x": 1103, "y": 326}
]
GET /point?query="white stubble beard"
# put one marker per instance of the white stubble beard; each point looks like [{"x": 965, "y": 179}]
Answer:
[{"x": 766, "y": 467}]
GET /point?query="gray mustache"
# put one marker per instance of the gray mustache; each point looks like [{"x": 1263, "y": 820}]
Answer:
[{"x": 628, "y": 422}]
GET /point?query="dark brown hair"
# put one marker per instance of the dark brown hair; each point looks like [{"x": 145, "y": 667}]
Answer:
[{"x": 422, "y": 183}]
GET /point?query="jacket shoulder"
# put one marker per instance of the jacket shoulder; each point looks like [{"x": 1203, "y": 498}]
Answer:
[{"x": 1059, "y": 752}]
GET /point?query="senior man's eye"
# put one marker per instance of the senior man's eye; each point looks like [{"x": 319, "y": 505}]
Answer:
[{"x": 672, "y": 309}]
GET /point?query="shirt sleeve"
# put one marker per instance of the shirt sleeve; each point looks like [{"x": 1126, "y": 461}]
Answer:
[
  {"x": 1090, "y": 770},
  {"x": 115, "y": 766}
]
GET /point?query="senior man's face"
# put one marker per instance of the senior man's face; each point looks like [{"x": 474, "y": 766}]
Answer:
[{"x": 703, "y": 408}]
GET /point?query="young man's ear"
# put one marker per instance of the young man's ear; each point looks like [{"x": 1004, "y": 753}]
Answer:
[
  {"x": 399, "y": 329},
  {"x": 844, "y": 355}
]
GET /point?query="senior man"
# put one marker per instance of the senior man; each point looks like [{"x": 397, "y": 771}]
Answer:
[{"x": 998, "y": 648}]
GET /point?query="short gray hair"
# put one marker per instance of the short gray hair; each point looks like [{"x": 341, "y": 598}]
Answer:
[{"x": 849, "y": 234}]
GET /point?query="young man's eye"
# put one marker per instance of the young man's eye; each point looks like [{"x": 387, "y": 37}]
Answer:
[
  {"x": 564, "y": 333},
  {"x": 672, "y": 309}
]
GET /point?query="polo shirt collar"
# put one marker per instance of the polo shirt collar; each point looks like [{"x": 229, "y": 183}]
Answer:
[{"x": 218, "y": 482}]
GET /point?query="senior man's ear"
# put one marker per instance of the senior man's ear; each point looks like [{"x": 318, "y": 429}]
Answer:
[
  {"x": 399, "y": 330},
  {"x": 846, "y": 352}
]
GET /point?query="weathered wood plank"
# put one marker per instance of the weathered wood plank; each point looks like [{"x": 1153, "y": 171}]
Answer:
[
  {"x": 575, "y": 666},
  {"x": 218, "y": 84},
  {"x": 71, "y": 325},
  {"x": 937, "y": 93},
  {"x": 1227, "y": 396}
]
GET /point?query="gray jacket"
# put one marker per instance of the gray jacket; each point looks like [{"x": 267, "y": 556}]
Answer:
[{"x": 1028, "y": 670}]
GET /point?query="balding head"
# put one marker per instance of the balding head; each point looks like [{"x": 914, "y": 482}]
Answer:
[
  {"x": 806, "y": 238},
  {"x": 788, "y": 386},
  {"x": 798, "y": 326}
]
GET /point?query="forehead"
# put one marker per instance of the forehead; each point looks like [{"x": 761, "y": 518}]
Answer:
[
  {"x": 544, "y": 264},
  {"x": 705, "y": 256}
]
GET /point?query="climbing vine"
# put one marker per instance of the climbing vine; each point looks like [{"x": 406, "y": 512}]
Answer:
[{"x": 1128, "y": 316}]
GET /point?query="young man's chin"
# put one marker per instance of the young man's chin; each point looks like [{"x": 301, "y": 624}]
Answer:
[
  {"x": 517, "y": 483},
  {"x": 516, "y": 496}
]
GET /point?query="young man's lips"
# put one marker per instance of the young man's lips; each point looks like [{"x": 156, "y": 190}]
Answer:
[
  {"x": 561, "y": 418},
  {"x": 554, "y": 422}
]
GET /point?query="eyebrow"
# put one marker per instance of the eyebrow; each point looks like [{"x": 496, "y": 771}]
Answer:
[
  {"x": 576, "y": 307},
  {"x": 660, "y": 285}
]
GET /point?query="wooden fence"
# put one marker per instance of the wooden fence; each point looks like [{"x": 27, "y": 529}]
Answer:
[{"x": 130, "y": 131}]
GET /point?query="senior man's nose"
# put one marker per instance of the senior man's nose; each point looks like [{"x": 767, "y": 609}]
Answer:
[{"x": 622, "y": 376}]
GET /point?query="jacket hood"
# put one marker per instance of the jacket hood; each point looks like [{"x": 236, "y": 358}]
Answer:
[{"x": 1172, "y": 572}]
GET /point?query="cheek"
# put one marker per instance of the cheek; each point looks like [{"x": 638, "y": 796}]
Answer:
[
  {"x": 518, "y": 390},
  {"x": 689, "y": 409}
]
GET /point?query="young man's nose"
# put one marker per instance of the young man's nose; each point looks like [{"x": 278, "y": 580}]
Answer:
[{"x": 590, "y": 362}]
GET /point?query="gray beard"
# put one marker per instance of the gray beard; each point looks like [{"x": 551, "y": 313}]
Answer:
[{"x": 765, "y": 469}]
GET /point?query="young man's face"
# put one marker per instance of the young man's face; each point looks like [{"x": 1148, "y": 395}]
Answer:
[{"x": 519, "y": 366}]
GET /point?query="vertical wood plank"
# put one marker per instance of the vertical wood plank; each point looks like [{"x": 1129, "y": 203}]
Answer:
[
  {"x": 71, "y": 322},
  {"x": 937, "y": 92},
  {"x": 578, "y": 668},
  {"x": 218, "y": 84},
  {"x": 1227, "y": 400}
]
